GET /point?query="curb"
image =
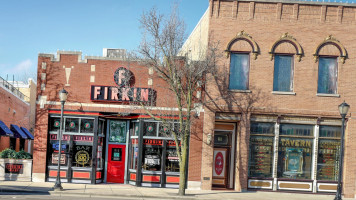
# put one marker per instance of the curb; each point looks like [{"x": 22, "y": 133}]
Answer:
[{"x": 122, "y": 196}]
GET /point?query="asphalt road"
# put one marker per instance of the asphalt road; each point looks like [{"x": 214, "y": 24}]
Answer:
[{"x": 39, "y": 197}]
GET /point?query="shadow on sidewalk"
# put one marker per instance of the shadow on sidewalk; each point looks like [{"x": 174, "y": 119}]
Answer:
[{"x": 24, "y": 190}]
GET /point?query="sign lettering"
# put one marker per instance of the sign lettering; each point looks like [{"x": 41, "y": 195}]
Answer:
[
  {"x": 13, "y": 168},
  {"x": 83, "y": 138},
  {"x": 113, "y": 93},
  {"x": 123, "y": 92},
  {"x": 54, "y": 137},
  {"x": 152, "y": 142}
]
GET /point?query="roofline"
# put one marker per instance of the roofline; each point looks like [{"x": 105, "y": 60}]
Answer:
[
  {"x": 319, "y": 2},
  {"x": 86, "y": 58}
]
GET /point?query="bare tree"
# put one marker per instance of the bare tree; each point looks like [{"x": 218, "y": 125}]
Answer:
[{"x": 163, "y": 38}]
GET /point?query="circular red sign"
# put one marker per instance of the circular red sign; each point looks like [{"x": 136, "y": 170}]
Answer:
[{"x": 219, "y": 163}]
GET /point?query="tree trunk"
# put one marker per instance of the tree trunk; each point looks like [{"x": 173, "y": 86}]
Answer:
[{"x": 183, "y": 169}]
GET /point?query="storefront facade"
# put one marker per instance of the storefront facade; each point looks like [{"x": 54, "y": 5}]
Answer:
[
  {"x": 107, "y": 135},
  {"x": 287, "y": 68}
]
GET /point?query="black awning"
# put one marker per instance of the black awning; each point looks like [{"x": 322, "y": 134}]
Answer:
[
  {"x": 18, "y": 133},
  {"x": 29, "y": 135},
  {"x": 4, "y": 130}
]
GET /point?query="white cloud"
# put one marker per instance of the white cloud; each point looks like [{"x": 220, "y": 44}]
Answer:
[
  {"x": 22, "y": 66},
  {"x": 23, "y": 70}
]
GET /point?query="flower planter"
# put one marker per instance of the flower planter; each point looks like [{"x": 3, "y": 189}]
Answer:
[{"x": 15, "y": 169}]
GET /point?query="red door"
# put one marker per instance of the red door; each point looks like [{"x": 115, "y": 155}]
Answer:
[{"x": 116, "y": 163}]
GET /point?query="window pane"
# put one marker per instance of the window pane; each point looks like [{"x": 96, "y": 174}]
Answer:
[
  {"x": 82, "y": 154},
  {"x": 261, "y": 155},
  {"x": 72, "y": 125},
  {"x": 150, "y": 129},
  {"x": 165, "y": 129},
  {"x": 54, "y": 123},
  {"x": 283, "y": 73},
  {"x": 327, "y": 75},
  {"x": 294, "y": 158},
  {"x": 134, "y": 154},
  {"x": 330, "y": 131},
  {"x": 87, "y": 126},
  {"x": 262, "y": 128},
  {"x": 53, "y": 149},
  {"x": 117, "y": 131},
  {"x": 100, "y": 159},
  {"x": 239, "y": 70},
  {"x": 152, "y": 154},
  {"x": 172, "y": 160},
  {"x": 328, "y": 160},
  {"x": 296, "y": 130}
]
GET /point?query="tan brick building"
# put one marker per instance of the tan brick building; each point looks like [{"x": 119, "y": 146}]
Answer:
[
  {"x": 287, "y": 65},
  {"x": 14, "y": 114}
]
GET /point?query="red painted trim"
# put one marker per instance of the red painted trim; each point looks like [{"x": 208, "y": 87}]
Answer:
[
  {"x": 85, "y": 175},
  {"x": 151, "y": 178},
  {"x": 98, "y": 175},
  {"x": 97, "y": 113},
  {"x": 133, "y": 177},
  {"x": 172, "y": 179},
  {"x": 73, "y": 112},
  {"x": 54, "y": 174}
]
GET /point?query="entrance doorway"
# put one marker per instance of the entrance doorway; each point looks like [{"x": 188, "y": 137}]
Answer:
[
  {"x": 116, "y": 163},
  {"x": 116, "y": 151},
  {"x": 224, "y": 156}
]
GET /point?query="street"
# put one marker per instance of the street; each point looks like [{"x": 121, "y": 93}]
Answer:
[{"x": 64, "y": 197}]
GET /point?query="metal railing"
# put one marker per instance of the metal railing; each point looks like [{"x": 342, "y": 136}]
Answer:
[{"x": 13, "y": 89}]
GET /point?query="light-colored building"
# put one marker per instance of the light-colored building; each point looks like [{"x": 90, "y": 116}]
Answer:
[{"x": 287, "y": 65}]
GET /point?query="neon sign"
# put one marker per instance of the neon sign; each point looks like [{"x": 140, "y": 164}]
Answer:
[{"x": 123, "y": 92}]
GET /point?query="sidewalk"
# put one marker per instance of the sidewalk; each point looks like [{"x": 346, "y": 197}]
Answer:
[{"x": 121, "y": 191}]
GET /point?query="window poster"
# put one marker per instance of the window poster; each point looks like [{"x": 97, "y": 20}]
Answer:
[
  {"x": 219, "y": 163},
  {"x": 117, "y": 131},
  {"x": 55, "y": 159},
  {"x": 82, "y": 156},
  {"x": 294, "y": 161}
]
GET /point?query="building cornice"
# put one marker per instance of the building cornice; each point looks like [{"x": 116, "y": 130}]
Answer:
[{"x": 320, "y": 2}]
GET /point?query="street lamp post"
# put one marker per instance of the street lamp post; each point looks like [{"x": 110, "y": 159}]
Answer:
[
  {"x": 63, "y": 98},
  {"x": 343, "y": 109}
]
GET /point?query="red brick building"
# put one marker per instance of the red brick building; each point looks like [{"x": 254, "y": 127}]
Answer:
[
  {"x": 288, "y": 66},
  {"x": 14, "y": 119},
  {"x": 107, "y": 135}
]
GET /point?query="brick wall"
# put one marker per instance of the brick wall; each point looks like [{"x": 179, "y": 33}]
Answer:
[
  {"x": 76, "y": 76},
  {"x": 12, "y": 111}
]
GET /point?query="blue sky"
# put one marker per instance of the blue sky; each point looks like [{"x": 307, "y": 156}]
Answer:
[{"x": 45, "y": 26}]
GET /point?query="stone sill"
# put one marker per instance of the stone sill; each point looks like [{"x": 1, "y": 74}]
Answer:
[
  {"x": 283, "y": 93},
  {"x": 327, "y": 95},
  {"x": 241, "y": 91}
]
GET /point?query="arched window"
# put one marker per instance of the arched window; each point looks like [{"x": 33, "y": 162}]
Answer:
[
  {"x": 283, "y": 52},
  {"x": 239, "y": 49},
  {"x": 327, "y": 53}
]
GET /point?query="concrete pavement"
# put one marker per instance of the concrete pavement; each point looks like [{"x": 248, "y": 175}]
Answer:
[{"x": 121, "y": 191}]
